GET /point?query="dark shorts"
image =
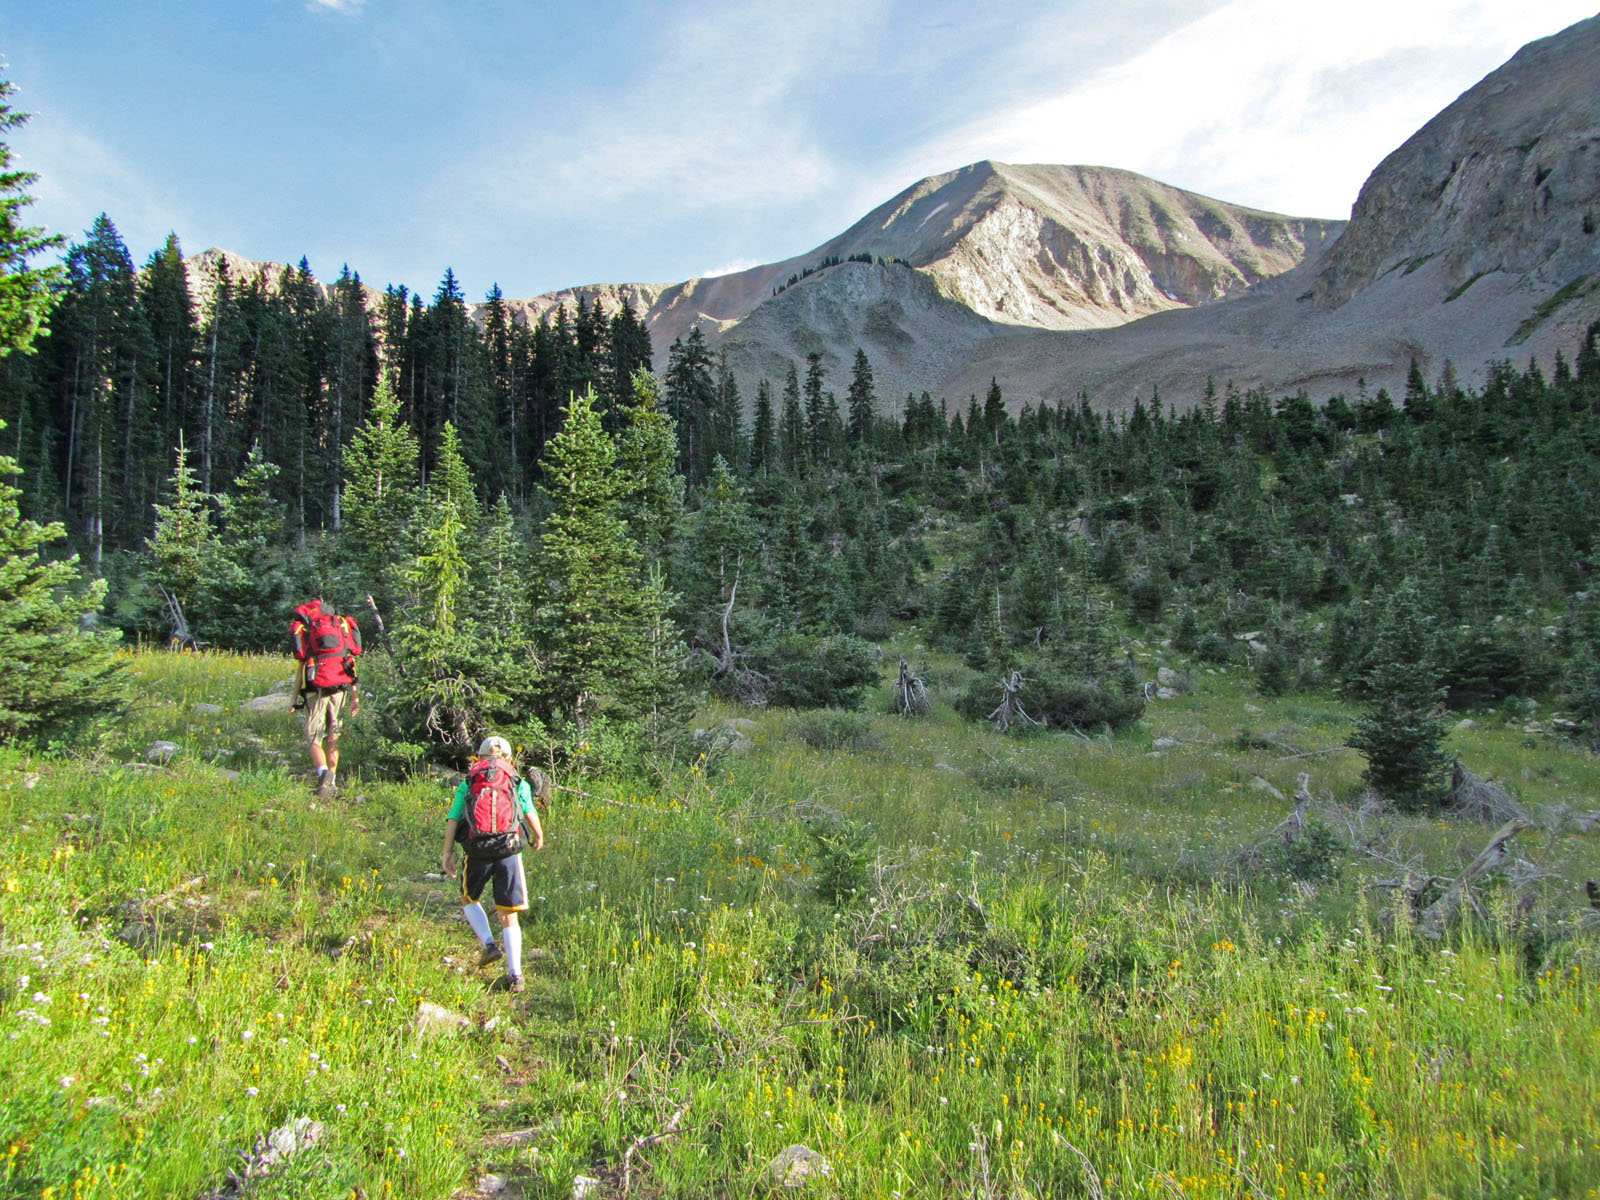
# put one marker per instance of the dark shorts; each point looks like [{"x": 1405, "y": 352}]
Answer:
[{"x": 510, "y": 888}]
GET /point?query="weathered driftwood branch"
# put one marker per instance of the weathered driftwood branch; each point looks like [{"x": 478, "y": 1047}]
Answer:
[
  {"x": 911, "y": 693},
  {"x": 1287, "y": 831},
  {"x": 1010, "y": 710},
  {"x": 649, "y": 1139},
  {"x": 1480, "y": 799},
  {"x": 725, "y": 659},
  {"x": 1435, "y": 919}
]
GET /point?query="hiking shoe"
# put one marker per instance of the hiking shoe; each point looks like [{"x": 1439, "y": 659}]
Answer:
[
  {"x": 513, "y": 983},
  {"x": 328, "y": 786},
  {"x": 491, "y": 954}
]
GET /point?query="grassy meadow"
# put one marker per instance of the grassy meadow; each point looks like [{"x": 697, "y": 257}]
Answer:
[{"x": 950, "y": 962}]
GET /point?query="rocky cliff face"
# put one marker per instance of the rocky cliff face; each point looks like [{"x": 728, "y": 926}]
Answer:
[
  {"x": 1505, "y": 180},
  {"x": 1053, "y": 247}
]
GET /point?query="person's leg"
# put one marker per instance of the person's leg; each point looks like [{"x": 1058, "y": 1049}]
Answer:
[
  {"x": 317, "y": 728},
  {"x": 473, "y": 877},
  {"x": 511, "y": 898},
  {"x": 511, "y": 939},
  {"x": 335, "y": 702}
]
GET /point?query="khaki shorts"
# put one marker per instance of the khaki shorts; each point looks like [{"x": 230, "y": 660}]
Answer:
[{"x": 325, "y": 715}]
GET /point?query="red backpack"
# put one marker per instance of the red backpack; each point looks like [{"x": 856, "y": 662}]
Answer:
[
  {"x": 327, "y": 643},
  {"x": 491, "y": 821}
]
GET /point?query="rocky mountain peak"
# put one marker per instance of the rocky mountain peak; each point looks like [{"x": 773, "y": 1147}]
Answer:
[{"x": 1506, "y": 179}]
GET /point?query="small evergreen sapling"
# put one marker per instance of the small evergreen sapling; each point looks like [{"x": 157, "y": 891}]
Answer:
[
  {"x": 53, "y": 673},
  {"x": 1402, "y": 731}
]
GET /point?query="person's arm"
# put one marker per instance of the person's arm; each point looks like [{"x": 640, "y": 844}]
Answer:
[
  {"x": 530, "y": 814},
  {"x": 447, "y": 856}
]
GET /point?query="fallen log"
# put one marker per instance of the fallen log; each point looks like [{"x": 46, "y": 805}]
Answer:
[{"x": 1436, "y": 918}]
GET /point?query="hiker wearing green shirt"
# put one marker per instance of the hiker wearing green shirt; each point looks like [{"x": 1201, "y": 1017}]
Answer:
[{"x": 493, "y": 805}]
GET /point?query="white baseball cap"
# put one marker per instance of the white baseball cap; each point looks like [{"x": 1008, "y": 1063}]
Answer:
[{"x": 495, "y": 747}]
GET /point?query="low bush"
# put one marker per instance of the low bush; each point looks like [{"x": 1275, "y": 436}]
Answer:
[
  {"x": 831, "y": 729},
  {"x": 819, "y": 672}
]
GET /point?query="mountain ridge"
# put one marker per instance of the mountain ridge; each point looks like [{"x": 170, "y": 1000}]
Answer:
[{"x": 1474, "y": 238}]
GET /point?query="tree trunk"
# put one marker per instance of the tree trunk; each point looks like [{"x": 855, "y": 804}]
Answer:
[
  {"x": 211, "y": 388},
  {"x": 1438, "y": 915}
]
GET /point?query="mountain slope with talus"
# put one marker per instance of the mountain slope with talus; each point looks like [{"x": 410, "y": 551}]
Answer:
[{"x": 1476, "y": 241}]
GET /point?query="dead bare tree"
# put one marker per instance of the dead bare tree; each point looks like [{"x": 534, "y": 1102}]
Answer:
[
  {"x": 911, "y": 693},
  {"x": 1481, "y": 799},
  {"x": 181, "y": 638},
  {"x": 1285, "y": 833},
  {"x": 1435, "y": 919},
  {"x": 1010, "y": 710}
]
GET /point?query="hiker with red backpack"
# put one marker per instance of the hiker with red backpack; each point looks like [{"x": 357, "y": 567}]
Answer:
[
  {"x": 492, "y": 806},
  {"x": 326, "y": 645}
]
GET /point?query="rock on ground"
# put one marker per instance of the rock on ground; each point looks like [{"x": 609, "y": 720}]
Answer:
[{"x": 795, "y": 1165}]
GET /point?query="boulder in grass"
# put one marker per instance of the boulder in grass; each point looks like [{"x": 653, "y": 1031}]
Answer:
[
  {"x": 585, "y": 1188},
  {"x": 797, "y": 1165},
  {"x": 207, "y": 710},
  {"x": 435, "y": 1018},
  {"x": 272, "y": 702},
  {"x": 161, "y": 752}
]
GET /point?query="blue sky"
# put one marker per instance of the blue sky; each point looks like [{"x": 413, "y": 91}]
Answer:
[{"x": 542, "y": 146}]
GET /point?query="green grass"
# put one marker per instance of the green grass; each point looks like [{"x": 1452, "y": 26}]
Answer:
[
  {"x": 1542, "y": 312},
  {"x": 1460, "y": 289},
  {"x": 1051, "y": 977}
]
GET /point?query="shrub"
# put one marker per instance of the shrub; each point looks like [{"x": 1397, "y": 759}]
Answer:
[
  {"x": 819, "y": 672},
  {"x": 830, "y": 729},
  {"x": 1215, "y": 648},
  {"x": 843, "y": 849},
  {"x": 1053, "y": 695},
  {"x": 1314, "y": 855}
]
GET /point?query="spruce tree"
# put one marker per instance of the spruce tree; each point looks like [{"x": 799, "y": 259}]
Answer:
[
  {"x": 1402, "y": 730},
  {"x": 646, "y": 456},
  {"x": 592, "y": 624},
  {"x": 181, "y": 551},
  {"x": 861, "y": 401},
  {"x": 26, "y": 293},
  {"x": 721, "y": 548},
  {"x": 244, "y": 595},
  {"x": 380, "y": 491},
  {"x": 792, "y": 426},
  {"x": 54, "y": 674},
  {"x": 764, "y": 434}
]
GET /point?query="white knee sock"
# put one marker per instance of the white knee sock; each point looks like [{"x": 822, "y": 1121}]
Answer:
[
  {"x": 479, "y": 920},
  {"x": 512, "y": 936}
]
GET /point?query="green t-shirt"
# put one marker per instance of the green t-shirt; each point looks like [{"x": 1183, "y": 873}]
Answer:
[{"x": 524, "y": 800}]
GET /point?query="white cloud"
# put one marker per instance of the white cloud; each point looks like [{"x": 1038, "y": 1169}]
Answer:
[
  {"x": 717, "y": 124},
  {"x": 1258, "y": 102},
  {"x": 339, "y": 6},
  {"x": 79, "y": 176},
  {"x": 738, "y": 264}
]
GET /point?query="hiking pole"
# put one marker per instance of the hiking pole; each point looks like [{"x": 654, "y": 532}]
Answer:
[{"x": 384, "y": 634}]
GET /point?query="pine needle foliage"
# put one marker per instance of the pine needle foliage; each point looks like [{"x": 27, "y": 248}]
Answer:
[{"x": 54, "y": 675}]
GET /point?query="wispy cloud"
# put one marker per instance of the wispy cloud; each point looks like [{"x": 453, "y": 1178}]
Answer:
[
  {"x": 79, "y": 175},
  {"x": 730, "y": 268},
  {"x": 350, "y": 7},
  {"x": 1256, "y": 102},
  {"x": 718, "y": 123}
]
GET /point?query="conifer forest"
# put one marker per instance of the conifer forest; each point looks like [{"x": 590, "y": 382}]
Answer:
[{"x": 293, "y": 436}]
